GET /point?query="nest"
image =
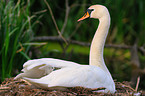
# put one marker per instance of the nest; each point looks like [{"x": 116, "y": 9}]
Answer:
[{"x": 20, "y": 87}]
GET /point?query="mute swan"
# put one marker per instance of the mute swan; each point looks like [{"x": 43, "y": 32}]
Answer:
[{"x": 42, "y": 72}]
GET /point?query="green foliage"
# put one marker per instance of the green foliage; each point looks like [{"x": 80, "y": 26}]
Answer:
[
  {"x": 127, "y": 20},
  {"x": 15, "y": 30}
]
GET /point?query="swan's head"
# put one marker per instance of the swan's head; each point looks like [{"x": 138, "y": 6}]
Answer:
[{"x": 95, "y": 11}]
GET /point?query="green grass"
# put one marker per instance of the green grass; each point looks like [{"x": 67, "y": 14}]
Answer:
[
  {"x": 55, "y": 47},
  {"x": 15, "y": 29}
]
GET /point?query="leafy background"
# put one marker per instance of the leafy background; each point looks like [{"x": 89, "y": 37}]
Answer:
[{"x": 21, "y": 22}]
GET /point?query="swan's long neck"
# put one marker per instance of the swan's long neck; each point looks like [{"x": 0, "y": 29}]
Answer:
[{"x": 97, "y": 45}]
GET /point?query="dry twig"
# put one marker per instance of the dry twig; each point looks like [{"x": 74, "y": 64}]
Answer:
[
  {"x": 137, "y": 84},
  {"x": 96, "y": 89},
  {"x": 5, "y": 88},
  {"x": 55, "y": 38},
  {"x": 55, "y": 21},
  {"x": 66, "y": 16},
  {"x": 10, "y": 83},
  {"x": 127, "y": 86}
]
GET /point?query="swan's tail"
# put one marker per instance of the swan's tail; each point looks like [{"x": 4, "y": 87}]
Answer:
[
  {"x": 42, "y": 84},
  {"x": 37, "y": 82}
]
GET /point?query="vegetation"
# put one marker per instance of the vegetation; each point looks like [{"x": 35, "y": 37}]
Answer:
[
  {"x": 19, "y": 30},
  {"x": 15, "y": 35}
]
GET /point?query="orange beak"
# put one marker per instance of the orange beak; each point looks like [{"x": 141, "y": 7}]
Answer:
[{"x": 85, "y": 16}]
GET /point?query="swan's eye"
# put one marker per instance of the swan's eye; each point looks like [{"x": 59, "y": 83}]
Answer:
[{"x": 90, "y": 10}]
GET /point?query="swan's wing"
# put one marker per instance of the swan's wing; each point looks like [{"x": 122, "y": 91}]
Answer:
[
  {"x": 39, "y": 67},
  {"x": 48, "y": 62},
  {"x": 85, "y": 76}
]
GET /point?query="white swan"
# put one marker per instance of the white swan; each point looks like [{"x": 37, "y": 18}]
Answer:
[{"x": 55, "y": 73}]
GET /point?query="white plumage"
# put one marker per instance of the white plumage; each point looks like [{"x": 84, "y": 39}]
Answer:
[
  {"x": 68, "y": 74},
  {"x": 57, "y": 74}
]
